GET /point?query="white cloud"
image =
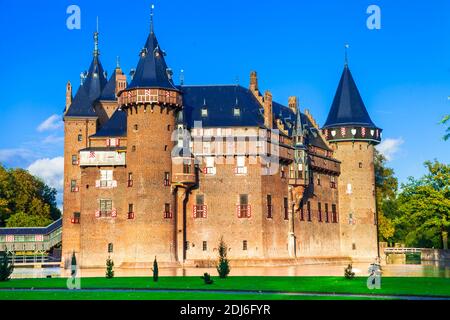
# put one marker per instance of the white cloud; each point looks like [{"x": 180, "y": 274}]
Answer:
[
  {"x": 389, "y": 147},
  {"x": 7, "y": 155},
  {"x": 51, "y": 171},
  {"x": 51, "y": 139},
  {"x": 53, "y": 122}
]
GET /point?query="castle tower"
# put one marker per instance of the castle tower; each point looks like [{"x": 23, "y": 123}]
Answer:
[
  {"x": 80, "y": 121},
  {"x": 151, "y": 102},
  {"x": 353, "y": 137}
]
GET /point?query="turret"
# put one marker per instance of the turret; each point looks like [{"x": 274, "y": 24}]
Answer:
[{"x": 352, "y": 134}]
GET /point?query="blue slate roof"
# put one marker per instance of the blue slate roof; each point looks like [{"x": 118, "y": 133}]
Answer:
[
  {"x": 348, "y": 107},
  {"x": 89, "y": 91},
  {"x": 31, "y": 231},
  {"x": 151, "y": 71},
  {"x": 220, "y": 102},
  {"x": 81, "y": 105},
  {"x": 114, "y": 127},
  {"x": 109, "y": 92}
]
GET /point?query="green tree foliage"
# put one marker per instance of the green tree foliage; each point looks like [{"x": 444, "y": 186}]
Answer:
[
  {"x": 25, "y": 200},
  {"x": 109, "y": 268},
  {"x": 155, "y": 271},
  {"x": 425, "y": 208},
  {"x": 446, "y": 121},
  {"x": 6, "y": 268},
  {"x": 386, "y": 193},
  {"x": 223, "y": 267}
]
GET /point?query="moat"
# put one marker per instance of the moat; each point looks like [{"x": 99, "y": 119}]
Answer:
[{"x": 390, "y": 270}]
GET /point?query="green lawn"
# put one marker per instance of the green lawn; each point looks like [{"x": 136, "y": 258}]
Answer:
[
  {"x": 390, "y": 286},
  {"x": 76, "y": 295}
]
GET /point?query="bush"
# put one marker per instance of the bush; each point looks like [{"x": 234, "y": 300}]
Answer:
[
  {"x": 224, "y": 267},
  {"x": 6, "y": 268},
  {"x": 348, "y": 273},
  {"x": 155, "y": 271},
  {"x": 207, "y": 278},
  {"x": 109, "y": 268}
]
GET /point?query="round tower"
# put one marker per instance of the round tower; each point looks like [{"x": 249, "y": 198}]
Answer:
[
  {"x": 353, "y": 136},
  {"x": 151, "y": 102}
]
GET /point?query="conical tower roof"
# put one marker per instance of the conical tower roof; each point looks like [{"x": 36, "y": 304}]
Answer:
[{"x": 348, "y": 108}]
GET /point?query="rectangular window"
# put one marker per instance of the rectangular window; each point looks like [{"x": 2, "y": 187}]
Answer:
[
  {"x": 333, "y": 182},
  {"x": 110, "y": 248},
  {"x": 80, "y": 137},
  {"x": 327, "y": 218},
  {"x": 360, "y": 165},
  {"x": 318, "y": 180},
  {"x": 244, "y": 209},
  {"x": 245, "y": 245},
  {"x": 73, "y": 186},
  {"x": 130, "y": 179},
  {"x": 106, "y": 179},
  {"x": 74, "y": 160},
  {"x": 286, "y": 209},
  {"x": 186, "y": 168},
  {"x": 269, "y": 207},
  {"x": 334, "y": 213},
  {"x": 113, "y": 142},
  {"x": 167, "y": 179},
  {"x": 130, "y": 208},
  {"x": 309, "y": 211},
  {"x": 76, "y": 218},
  {"x": 186, "y": 245},
  {"x": 205, "y": 246},
  {"x": 167, "y": 211},
  {"x": 320, "y": 212},
  {"x": 210, "y": 166},
  {"x": 241, "y": 169},
  {"x": 105, "y": 207},
  {"x": 200, "y": 210}
]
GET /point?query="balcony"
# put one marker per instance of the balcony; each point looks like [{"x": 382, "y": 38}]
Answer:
[
  {"x": 325, "y": 165},
  {"x": 183, "y": 171},
  {"x": 97, "y": 158}
]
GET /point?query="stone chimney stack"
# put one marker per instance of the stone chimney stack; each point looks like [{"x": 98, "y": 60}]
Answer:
[
  {"x": 253, "y": 81},
  {"x": 121, "y": 80},
  {"x": 68, "y": 95},
  {"x": 293, "y": 104},
  {"x": 268, "y": 115}
]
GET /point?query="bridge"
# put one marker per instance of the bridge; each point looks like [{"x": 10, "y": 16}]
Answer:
[
  {"x": 33, "y": 246},
  {"x": 402, "y": 250}
]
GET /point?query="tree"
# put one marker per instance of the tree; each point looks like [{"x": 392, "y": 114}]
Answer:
[
  {"x": 223, "y": 267},
  {"x": 386, "y": 185},
  {"x": 109, "y": 268},
  {"x": 155, "y": 271},
  {"x": 6, "y": 268},
  {"x": 26, "y": 196},
  {"x": 425, "y": 207},
  {"x": 445, "y": 121}
]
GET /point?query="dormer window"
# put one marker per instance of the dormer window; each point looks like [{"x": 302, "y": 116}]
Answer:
[
  {"x": 204, "y": 112},
  {"x": 237, "y": 111},
  {"x": 143, "y": 52}
]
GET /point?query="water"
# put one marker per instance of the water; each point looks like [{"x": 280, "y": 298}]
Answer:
[{"x": 426, "y": 269}]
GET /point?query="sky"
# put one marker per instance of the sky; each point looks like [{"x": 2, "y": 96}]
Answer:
[{"x": 297, "y": 47}]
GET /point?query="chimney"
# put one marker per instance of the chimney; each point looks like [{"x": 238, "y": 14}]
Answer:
[
  {"x": 293, "y": 104},
  {"x": 68, "y": 95},
  {"x": 121, "y": 81},
  {"x": 268, "y": 116},
  {"x": 253, "y": 81}
]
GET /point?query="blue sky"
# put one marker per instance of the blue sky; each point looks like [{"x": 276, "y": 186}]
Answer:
[{"x": 297, "y": 47}]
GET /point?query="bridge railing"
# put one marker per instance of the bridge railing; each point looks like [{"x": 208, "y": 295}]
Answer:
[{"x": 402, "y": 250}]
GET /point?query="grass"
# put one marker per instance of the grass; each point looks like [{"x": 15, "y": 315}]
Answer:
[
  {"x": 76, "y": 295},
  {"x": 390, "y": 286}
]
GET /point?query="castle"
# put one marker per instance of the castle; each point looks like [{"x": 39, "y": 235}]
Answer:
[{"x": 157, "y": 169}]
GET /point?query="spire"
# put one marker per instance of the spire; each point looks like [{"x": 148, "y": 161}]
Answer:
[
  {"x": 152, "y": 70},
  {"x": 96, "y": 51},
  {"x": 117, "y": 62},
  {"x": 346, "y": 54},
  {"x": 348, "y": 108},
  {"x": 151, "y": 18}
]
